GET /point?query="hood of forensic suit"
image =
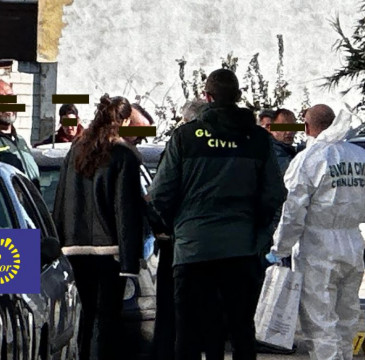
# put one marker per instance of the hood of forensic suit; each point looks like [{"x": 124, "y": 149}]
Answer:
[{"x": 338, "y": 131}]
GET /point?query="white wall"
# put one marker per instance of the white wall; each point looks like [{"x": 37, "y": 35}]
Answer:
[{"x": 108, "y": 42}]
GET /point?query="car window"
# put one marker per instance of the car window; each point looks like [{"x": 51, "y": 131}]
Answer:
[
  {"x": 29, "y": 212},
  {"x": 49, "y": 180},
  {"x": 359, "y": 143},
  {"x": 5, "y": 217},
  {"x": 153, "y": 171},
  {"x": 37, "y": 200}
]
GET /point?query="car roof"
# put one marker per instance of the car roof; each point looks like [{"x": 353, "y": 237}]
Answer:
[
  {"x": 357, "y": 139},
  {"x": 151, "y": 154},
  {"x": 47, "y": 157},
  {"x": 64, "y": 145},
  {"x": 7, "y": 170}
]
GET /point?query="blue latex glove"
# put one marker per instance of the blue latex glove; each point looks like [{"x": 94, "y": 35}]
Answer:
[{"x": 273, "y": 259}]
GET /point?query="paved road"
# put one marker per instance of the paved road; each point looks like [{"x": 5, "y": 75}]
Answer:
[{"x": 300, "y": 354}]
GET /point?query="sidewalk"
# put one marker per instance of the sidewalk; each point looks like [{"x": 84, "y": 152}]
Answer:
[{"x": 301, "y": 354}]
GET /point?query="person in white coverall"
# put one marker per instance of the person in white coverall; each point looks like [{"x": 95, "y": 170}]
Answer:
[{"x": 320, "y": 218}]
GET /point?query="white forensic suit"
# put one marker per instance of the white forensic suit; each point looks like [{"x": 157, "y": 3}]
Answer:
[{"x": 320, "y": 218}]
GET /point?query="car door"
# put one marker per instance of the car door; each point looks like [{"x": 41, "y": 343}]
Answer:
[
  {"x": 56, "y": 309},
  {"x": 9, "y": 335}
]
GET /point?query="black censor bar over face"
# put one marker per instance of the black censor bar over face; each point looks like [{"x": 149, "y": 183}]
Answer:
[
  {"x": 70, "y": 99},
  {"x": 8, "y": 99},
  {"x": 12, "y": 107},
  {"x": 287, "y": 127},
  {"x": 141, "y": 131},
  {"x": 65, "y": 121}
]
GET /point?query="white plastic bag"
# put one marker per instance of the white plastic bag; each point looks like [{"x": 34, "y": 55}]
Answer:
[{"x": 277, "y": 309}]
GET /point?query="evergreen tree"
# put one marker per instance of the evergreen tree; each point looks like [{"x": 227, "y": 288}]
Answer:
[
  {"x": 281, "y": 91},
  {"x": 353, "y": 48}
]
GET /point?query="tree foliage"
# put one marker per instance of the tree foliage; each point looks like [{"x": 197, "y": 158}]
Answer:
[
  {"x": 257, "y": 88},
  {"x": 353, "y": 50},
  {"x": 281, "y": 91}
]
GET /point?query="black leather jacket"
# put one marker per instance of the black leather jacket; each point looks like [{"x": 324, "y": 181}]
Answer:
[{"x": 102, "y": 215}]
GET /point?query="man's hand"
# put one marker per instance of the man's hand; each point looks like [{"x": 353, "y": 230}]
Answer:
[
  {"x": 273, "y": 259},
  {"x": 162, "y": 236}
]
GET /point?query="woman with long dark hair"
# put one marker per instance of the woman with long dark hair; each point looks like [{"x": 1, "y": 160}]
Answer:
[{"x": 98, "y": 214}]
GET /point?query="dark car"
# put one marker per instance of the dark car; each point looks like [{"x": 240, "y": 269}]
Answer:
[
  {"x": 49, "y": 161},
  {"x": 151, "y": 154},
  {"x": 45, "y": 325},
  {"x": 358, "y": 140}
]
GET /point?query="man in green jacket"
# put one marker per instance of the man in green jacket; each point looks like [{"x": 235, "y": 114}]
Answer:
[
  {"x": 218, "y": 182},
  {"x": 13, "y": 148}
]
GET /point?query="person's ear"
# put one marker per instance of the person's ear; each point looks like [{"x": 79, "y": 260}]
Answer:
[
  {"x": 126, "y": 122},
  {"x": 307, "y": 128},
  {"x": 238, "y": 97},
  {"x": 209, "y": 97}
]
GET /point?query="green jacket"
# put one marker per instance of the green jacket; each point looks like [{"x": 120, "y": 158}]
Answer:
[
  {"x": 217, "y": 184},
  {"x": 15, "y": 151}
]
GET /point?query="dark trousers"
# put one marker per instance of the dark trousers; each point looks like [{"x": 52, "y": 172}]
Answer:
[
  {"x": 236, "y": 282},
  {"x": 101, "y": 292},
  {"x": 164, "y": 334}
]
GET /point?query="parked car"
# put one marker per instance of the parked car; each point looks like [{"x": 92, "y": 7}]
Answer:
[
  {"x": 359, "y": 139},
  {"x": 45, "y": 325},
  {"x": 151, "y": 154},
  {"x": 49, "y": 161}
]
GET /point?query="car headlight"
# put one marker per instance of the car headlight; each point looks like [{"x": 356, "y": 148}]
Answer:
[{"x": 130, "y": 289}]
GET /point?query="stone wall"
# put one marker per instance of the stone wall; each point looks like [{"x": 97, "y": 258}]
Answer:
[
  {"x": 126, "y": 47},
  {"x": 34, "y": 84},
  {"x": 25, "y": 78}
]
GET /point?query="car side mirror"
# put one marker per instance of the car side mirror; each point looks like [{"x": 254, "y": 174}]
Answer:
[{"x": 50, "y": 250}]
